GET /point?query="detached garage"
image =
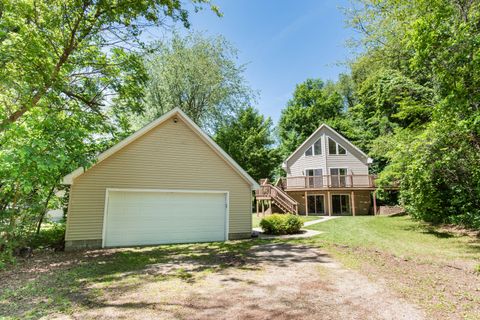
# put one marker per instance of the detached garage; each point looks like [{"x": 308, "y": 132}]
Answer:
[{"x": 167, "y": 183}]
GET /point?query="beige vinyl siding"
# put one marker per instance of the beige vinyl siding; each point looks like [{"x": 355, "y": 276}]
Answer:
[
  {"x": 299, "y": 162},
  {"x": 170, "y": 156},
  {"x": 355, "y": 162}
]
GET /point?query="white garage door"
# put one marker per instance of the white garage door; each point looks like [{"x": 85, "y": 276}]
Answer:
[{"x": 156, "y": 217}]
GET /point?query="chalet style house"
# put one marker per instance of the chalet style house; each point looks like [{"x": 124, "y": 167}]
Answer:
[{"x": 326, "y": 175}]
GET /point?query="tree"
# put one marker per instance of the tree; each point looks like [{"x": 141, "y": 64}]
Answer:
[
  {"x": 55, "y": 51},
  {"x": 69, "y": 72},
  {"x": 418, "y": 77},
  {"x": 198, "y": 74},
  {"x": 248, "y": 140},
  {"x": 313, "y": 103}
]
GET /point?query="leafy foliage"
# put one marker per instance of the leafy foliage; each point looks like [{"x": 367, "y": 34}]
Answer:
[
  {"x": 281, "y": 224},
  {"x": 313, "y": 103},
  {"x": 248, "y": 140},
  {"x": 51, "y": 236},
  {"x": 198, "y": 74},
  {"x": 70, "y": 73},
  {"x": 417, "y": 88}
]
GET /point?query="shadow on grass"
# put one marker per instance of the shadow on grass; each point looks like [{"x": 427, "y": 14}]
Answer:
[
  {"x": 438, "y": 234},
  {"x": 117, "y": 271}
]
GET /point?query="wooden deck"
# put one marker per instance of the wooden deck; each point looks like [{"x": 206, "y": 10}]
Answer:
[{"x": 328, "y": 182}]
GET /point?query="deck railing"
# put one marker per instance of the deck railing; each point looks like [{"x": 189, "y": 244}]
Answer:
[
  {"x": 328, "y": 181},
  {"x": 283, "y": 200}
]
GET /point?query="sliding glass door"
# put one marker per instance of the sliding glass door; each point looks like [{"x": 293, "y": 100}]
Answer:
[
  {"x": 316, "y": 204},
  {"x": 341, "y": 204},
  {"x": 338, "y": 177},
  {"x": 315, "y": 178}
]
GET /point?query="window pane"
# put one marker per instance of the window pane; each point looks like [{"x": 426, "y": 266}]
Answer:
[
  {"x": 341, "y": 150},
  {"x": 311, "y": 204},
  {"x": 345, "y": 199},
  {"x": 332, "y": 147},
  {"x": 336, "y": 204},
  {"x": 319, "y": 204},
  {"x": 317, "y": 147},
  {"x": 308, "y": 152}
]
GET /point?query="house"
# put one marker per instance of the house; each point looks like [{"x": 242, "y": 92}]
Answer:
[
  {"x": 326, "y": 175},
  {"x": 169, "y": 182}
]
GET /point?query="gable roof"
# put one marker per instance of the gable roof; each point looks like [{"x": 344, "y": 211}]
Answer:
[
  {"x": 335, "y": 133},
  {"x": 68, "y": 179}
]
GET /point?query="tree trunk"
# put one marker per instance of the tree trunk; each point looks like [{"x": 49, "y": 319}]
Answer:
[{"x": 45, "y": 208}]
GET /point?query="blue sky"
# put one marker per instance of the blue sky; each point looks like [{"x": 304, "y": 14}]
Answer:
[{"x": 283, "y": 42}]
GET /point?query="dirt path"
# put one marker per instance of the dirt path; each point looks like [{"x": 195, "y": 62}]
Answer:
[{"x": 279, "y": 281}]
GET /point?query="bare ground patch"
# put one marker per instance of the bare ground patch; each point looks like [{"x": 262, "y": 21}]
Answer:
[
  {"x": 274, "y": 281},
  {"x": 446, "y": 289}
]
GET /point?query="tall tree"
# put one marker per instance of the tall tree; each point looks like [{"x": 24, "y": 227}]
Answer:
[
  {"x": 313, "y": 103},
  {"x": 418, "y": 74},
  {"x": 69, "y": 71},
  {"x": 56, "y": 51},
  {"x": 248, "y": 140},
  {"x": 200, "y": 75}
]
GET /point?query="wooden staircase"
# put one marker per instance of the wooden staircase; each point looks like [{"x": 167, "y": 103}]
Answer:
[{"x": 276, "y": 196}]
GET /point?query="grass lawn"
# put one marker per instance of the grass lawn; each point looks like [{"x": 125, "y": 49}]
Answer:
[
  {"x": 398, "y": 235},
  {"x": 256, "y": 220},
  {"x": 422, "y": 264},
  {"x": 428, "y": 266},
  {"x": 66, "y": 281}
]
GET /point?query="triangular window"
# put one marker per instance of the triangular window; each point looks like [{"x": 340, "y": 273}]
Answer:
[
  {"x": 315, "y": 149},
  {"x": 309, "y": 151},
  {"x": 334, "y": 148}
]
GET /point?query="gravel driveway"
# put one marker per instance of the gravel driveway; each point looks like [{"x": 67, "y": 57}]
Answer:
[{"x": 278, "y": 281}]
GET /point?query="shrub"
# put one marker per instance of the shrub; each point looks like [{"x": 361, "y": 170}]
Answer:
[
  {"x": 50, "y": 236},
  {"x": 281, "y": 224}
]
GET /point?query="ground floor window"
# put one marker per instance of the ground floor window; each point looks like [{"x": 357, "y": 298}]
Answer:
[
  {"x": 341, "y": 204},
  {"x": 316, "y": 204}
]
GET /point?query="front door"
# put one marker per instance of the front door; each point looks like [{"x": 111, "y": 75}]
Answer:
[
  {"x": 338, "y": 177},
  {"x": 341, "y": 204},
  {"x": 316, "y": 204},
  {"x": 315, "y": 178}
]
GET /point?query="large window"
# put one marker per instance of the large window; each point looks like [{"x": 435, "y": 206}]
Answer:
[
  {"x": 334, "y": 148},
  {"x": 315, "y": 149},
  {"x": 315, "y": 204}
]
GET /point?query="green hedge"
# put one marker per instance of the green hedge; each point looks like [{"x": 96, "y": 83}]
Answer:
[{"x": 281, "y": 224}]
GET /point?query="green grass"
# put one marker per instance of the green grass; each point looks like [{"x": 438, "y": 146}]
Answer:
[
  {"x": 256, "y": 220},
  {"x": 414, "y": 258},
  {"x": 397, "y": 235},
  {"x": 81, "y": 285}
]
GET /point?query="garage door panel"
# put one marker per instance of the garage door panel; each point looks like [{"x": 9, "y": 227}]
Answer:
[{"x": 142, "y": 218}]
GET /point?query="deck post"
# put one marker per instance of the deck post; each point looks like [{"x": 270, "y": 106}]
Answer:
[
  {"x": 263, "y": 208},
  {"x": 306, "y": 204},
  {"x": 375, "y": 202},
  {"x": 270, "y": 205},
  {"x": 329, "y": 201},
  {"x": 353, "y": 203}
]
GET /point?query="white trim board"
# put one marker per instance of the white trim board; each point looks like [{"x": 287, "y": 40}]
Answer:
[
  {"x": 107, "y": 190},
  {"x": 69, "y": 178}
]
